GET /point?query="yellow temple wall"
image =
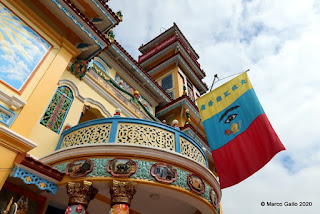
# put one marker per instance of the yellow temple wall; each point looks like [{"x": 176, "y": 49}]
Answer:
[
  {"x": 39, "y": 88},
  {"x": 41, "y": 85},
  {"x": 7, "y": 164},
  {"x": 45, "y": 138}
]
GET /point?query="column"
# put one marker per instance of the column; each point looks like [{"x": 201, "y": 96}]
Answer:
[
  {"x": 80, "y": 194},
  {"x": 121, "y": 196}
]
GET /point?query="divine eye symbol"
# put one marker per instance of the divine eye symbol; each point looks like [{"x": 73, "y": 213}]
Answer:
[{"x": 230, "y": 118}]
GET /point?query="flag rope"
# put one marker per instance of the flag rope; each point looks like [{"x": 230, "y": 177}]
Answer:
[{"x": 216, "y": 77}]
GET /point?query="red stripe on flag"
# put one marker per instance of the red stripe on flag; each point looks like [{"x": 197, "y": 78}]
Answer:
[{"x": 247, "y": 153}]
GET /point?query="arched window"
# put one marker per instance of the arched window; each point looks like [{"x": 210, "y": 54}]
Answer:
[
  {"x": 89, "y": 113},
  {"x": 100, "y": 65},
  {"x": 58, "y": 109}
]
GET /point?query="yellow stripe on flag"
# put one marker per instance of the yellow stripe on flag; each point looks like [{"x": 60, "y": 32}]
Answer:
[{"x": 217, "y": 100}]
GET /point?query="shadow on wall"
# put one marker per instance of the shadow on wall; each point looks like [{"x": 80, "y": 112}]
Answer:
[{"x": 90, "y": 113}]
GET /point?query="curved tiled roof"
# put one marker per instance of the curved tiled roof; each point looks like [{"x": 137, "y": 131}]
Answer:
[
  {"x": 174, "y": 26},
  {"x": 110, "y": 11},
  {"x": 86, "y": 20}
]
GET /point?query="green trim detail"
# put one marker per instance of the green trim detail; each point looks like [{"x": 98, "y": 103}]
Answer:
[{"x": 143, "y": 172}]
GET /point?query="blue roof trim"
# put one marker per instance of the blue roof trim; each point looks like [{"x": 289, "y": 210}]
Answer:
[
  {"x": 103, "y": 11},
  {"x": 76, "y": 21},
  {"x": 30, "y": 178}
]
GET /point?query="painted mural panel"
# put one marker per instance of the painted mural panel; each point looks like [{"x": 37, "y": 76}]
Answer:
[{"x": 21, "y": 49}]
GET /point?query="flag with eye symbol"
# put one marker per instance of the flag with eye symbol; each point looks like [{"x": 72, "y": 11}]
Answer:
[{"x": 239, "y": 133}]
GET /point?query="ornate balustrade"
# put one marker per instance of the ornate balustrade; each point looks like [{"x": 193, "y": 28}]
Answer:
[{"x": 132, "y": 131}]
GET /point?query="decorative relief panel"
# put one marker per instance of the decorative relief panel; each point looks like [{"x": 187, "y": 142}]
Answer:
[
  {"x": 214, "y": 198},
  {"x": 121, "y": 167},
  {"x": 79, "y": 168},
  {"x": 143, "y": 171},
  {"x": 191, "y": 151},
  {"x": 125, "y": 86},
  {"x": 163, "y": 172},
  {"x": 88, "y": 135},
  {"x": 196, "y": 184},
  {"x": 145, "y": 135},
  {"x": 6, "y": 116},
  {"x": 110, "y": 88}
]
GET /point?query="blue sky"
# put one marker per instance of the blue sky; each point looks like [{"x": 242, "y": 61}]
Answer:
[
  {"x": 21, "y": 49},
  {"x": 279, "y": 42}
]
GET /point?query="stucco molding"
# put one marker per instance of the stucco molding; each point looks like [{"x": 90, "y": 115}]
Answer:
[
  {"x": 15, "y": 142},
  {"x": 13, "y": 101},
  {"x": 107, "y": 96}
]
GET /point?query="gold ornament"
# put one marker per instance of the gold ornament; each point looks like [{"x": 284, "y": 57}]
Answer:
[
  {"x": 81, "y": 192},
  {"x": 122, "y": 192}
]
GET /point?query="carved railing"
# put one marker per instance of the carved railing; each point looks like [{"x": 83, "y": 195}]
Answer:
[{"x": 132, "y": 131}]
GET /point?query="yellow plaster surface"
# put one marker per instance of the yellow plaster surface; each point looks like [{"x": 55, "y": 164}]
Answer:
[
  {"x": 47, "y": 33},
  {"x": 10, "y": 145},
  {"x": 41, "y": 96},
  {"x": 6, "y": 163},
  {"x": 46, "y": 139}
]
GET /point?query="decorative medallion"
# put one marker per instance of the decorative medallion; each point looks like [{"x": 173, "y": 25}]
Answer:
[
  {"x": 214, "y": 198},
  {"x": 196, "y": 184},
  {"x": 79, "y": 68},
  {"x": 79, "y": 168},
  {"x": 163, "y": 172},
  {"x": 121, "y": 167}
]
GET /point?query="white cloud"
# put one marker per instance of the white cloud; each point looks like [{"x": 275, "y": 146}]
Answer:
[{"x": 279, "y": 42}]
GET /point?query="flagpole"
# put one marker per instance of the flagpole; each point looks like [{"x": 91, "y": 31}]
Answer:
[
  {"x": 213, "y": 82},
  {"x": 215, "y": 77}
]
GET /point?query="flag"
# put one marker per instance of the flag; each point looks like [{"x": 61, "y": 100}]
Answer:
[{"x": 240, "y": 136}]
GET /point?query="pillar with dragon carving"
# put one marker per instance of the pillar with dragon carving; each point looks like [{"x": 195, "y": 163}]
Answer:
[
  {"x": 80, "y": 194},
  {"x": 121, "y": 196}
]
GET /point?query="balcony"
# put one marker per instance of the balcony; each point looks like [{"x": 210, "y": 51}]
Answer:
[{"x": 133, "y": 131}]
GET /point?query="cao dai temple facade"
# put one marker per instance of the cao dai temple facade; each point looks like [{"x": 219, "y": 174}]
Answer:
[{"x": 85, "y": 128}]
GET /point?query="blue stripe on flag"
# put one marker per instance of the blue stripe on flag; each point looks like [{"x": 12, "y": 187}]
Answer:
[{"x": 233, "y": 120}]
